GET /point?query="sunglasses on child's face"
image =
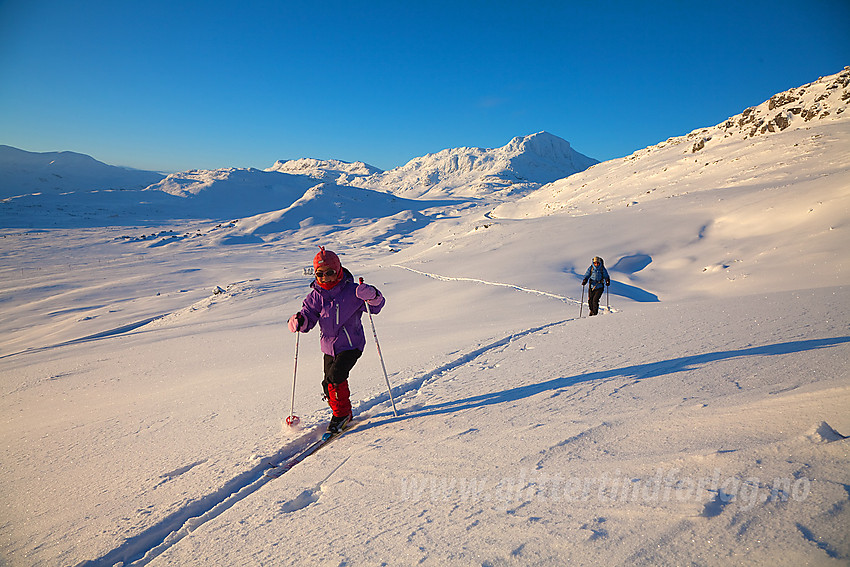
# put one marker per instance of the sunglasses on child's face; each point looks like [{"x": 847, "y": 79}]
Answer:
[{"x": 325, "y": 274}]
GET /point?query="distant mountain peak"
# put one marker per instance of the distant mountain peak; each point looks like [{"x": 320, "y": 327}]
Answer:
[
  {"x": 23, "y": 172},
  {"x": 325, "y": 170},
  {"x": 526, "y": 162},
  {"x": 542, "y": 142}
]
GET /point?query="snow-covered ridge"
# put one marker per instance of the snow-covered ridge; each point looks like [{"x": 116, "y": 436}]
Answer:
[
  {"x": 823, "y": 100},
  {"x": 324, "y": 206},
  {"x": 197, "y": 181},
  {"x": 526, "y": 162},
  {"x": 761, "y": 145},
  {"x": 279, "y": 200},
  {"x": 233, "y": 192},
  {"x": 337, "y": 171},
  {"x": 23, "y": 172}
]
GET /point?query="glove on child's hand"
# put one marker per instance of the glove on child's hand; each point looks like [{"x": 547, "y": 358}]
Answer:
[
  {"x": 295, "y": 322},
  {"x": 366, "y": 292}
]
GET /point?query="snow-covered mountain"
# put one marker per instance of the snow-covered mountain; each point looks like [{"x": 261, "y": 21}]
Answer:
[
  {"x": 23, "y": 172},
  {"x": 288, "y": 197},
  {"x": 227, "y": 193},
  {"x": 525, "y": 163},
  {"x": 336, "y": 171}
]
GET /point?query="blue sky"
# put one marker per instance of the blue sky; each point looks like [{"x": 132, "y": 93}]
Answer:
[{"x": 170, "y": 85}]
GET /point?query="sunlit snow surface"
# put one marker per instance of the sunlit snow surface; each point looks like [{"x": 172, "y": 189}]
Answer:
[{"x": 146, "y": 367}]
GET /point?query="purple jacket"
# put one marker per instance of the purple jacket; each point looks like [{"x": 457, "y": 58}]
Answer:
[{"x": 338, "y": 311}]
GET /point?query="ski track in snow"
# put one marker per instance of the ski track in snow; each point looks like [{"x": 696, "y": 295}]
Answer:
[
  {"x": 149, "y": 544},
  {"x": 497, "y": 284},
  {"x": 415, "y": 384},
  {"x": 145, "y": 547}
]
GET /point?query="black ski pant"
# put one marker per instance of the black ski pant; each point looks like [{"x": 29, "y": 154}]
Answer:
[
  {"x": 593, "y": 298},
  {"x": 338, "y": 367}
]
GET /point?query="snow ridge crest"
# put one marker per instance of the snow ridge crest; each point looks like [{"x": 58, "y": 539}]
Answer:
[{"x": 525, "y": 163}]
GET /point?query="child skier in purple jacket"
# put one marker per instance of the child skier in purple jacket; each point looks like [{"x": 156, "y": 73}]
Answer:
[{"x": 336, "y": 304}]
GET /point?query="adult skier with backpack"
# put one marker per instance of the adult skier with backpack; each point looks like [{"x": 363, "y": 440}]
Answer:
[
  {"x": 598, "y": 277},
  {"x": 336, "y": 303}
]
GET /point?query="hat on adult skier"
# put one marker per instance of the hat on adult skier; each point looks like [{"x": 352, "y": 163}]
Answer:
[{"x": 326, "y": 261}]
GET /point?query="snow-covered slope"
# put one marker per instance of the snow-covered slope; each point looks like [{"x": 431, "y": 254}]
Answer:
[
  {"x": 23, "y": 172},
  {"x": 524, "y": 163},
  {"x": 287, "y": 198},
  {"x": 325, "y": 208},
  {"x": 233, "y": 192},
  {"x": 760, "y": 199},
  {"x": 761, "y": 146}
]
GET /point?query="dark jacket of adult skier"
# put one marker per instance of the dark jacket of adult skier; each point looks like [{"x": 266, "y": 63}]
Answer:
[{"x": 596, "y": 274}]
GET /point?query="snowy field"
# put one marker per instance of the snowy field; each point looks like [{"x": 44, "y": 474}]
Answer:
[{"x": 701, "y": 419}]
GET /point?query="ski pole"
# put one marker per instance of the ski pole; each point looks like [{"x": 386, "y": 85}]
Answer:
[
  {"x": 381, "y": 356},
  {"x": 608, "y": 297},
  {"x": 581, "y": 303},
  {"x": 293, "y": 419}
]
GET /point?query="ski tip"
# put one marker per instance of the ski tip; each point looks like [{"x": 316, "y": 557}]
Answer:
[{"x": 276, "y": 471}]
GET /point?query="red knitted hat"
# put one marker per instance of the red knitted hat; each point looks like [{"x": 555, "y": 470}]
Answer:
[{"x": 326, "y": 259}]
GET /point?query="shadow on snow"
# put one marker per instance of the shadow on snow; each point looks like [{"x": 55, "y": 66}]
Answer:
[{"x": 637, "y": 372}]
